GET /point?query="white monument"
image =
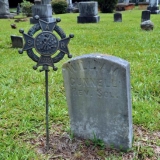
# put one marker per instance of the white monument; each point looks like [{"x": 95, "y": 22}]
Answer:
[{"x": 153, "y": 7}]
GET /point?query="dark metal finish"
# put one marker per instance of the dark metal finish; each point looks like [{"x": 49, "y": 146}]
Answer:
[
  {"x": 47, "y": 109},
  {"x": 46, "y": 44}
]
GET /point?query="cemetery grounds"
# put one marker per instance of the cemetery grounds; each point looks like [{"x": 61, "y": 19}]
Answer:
[{"x": 22, "y": 98}]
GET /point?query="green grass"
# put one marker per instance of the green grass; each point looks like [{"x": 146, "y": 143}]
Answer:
[{"x": 22, "y": 101}]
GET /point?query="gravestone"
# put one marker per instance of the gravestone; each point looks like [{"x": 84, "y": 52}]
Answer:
[
  {"x": 4, "y": 9},
  {"x": 43, "y": 9},
  {"x": 17, "y": 41},
  {"x": 88, "y": 12},
  {"x": 75, "y": 8},
  {"x": 18, "y": 9},
  {"x": 153, "y": 7},
  {"x": 145, "y": 15},
  {"x": 117, "y": 17},
  {"x": 99, "y": 98},
  {"x": 69, "y": 6}
]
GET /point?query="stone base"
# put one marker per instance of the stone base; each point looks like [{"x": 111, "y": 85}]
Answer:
[
  {"x": 124, "y": 6},
  {"x": 154, "y": 10},
  {"x": 44, "y": 11},
  {"x": 34, "y": 21},
  {"x": 7, "y": 16},
  {"x": 94, "y": 19},
  {"x": 143, "y": 5}
]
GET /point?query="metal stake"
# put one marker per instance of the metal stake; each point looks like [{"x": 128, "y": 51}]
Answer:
[
  {"x": 46, "y": 51},
  {"x": 47, "y": 108}
]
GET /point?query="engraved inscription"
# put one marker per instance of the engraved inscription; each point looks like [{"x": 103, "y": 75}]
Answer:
[
  {"x": 95, "y": 78},
  {"x": 46, "y": 43},
  {"x": 90, "y": 86},
  {"x": 46, "y": 60},
  {"x": 29, "y": 43},
  {"x": 90, "y": 65},
  {"x": 63, "y": 45}
]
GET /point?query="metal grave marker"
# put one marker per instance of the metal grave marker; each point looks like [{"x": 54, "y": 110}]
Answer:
[{"x": 46, "y": 44}]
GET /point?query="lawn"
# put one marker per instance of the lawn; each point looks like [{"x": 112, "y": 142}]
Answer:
[{"x": 22, "y": 98}]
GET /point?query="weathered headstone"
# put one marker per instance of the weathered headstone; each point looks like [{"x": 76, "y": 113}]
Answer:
[
  {"x": 43, "y": 9},
  {"x": 4, "y": 9},
  {"x": 99, "y": 98},
  {"x": 75, "y": 8},
  {"x": 145, "y": 15},
  {"x": 18, "y": 9},
  {"x": 69, "y": 6},
  {"x": 17, "y": 41},
  {"x": 117, "y": 17},
  {"x": 88, "y": 12},
  {"x": 147, "y": 25},
  {"x": 153, "y": 7}
]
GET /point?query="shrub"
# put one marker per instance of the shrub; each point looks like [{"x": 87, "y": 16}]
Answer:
[
  {"x": 59, "y": 6},
  {"x": 27, "y": 8},
  {"x": 107, "y": 6}
]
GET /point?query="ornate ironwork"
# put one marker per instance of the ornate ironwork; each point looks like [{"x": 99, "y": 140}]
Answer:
[{"x": 46, "y": 43}]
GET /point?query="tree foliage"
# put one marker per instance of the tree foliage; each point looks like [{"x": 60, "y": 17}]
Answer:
[
  {"x": 27, "y": 8},
  {"x": 59, "y": 6},
  {"x": 107, "y": 6}
]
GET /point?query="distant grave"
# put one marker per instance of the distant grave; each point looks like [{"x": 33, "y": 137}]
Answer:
[
  {"x": 117, "y": 17},
  {"x": 88, "y": 12},
  {"x": 4, "y": 10},
  {"x": 143, "y": 5},
  {"x": 99, "y": 99},
  {"x": 153, "y": 7},
  {"x": 17, "y": 41},
  {"x": 43, "y": 9},
  {"x": 123, "y": 5},
  {"x": 145, "y": 15}
]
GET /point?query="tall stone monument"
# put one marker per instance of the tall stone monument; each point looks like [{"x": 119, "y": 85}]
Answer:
[
  {"x": 88, "y": 12},
  {"x": 4, "y": 9},
  {"x": 99, "y": 98},
  {"x": 43, "y": 9},
  {"x": 153, "y": 7},
  {"x": 70, "y": 6}
]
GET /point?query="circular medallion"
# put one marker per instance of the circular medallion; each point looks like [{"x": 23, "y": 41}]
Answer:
[{"x": 46, "y": 43}]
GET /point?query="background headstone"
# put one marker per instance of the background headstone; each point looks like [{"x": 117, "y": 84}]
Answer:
[
  {"x": 117, "y": 17},
  {"x": 17, "y": 41},
  {"x": 88, "y": 12},
  {"x": 75, "y": 8},
  {"x": 4, "y": 9},
  {"x": 153, "y": 7},
  {"x": 18, "y": 8},
  {"x": 43, "y": 9},
  {"x": 69, "y": 6},
  {"x": 99, "y": 98},
  {"x": 145, "y": 15}
]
